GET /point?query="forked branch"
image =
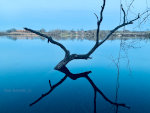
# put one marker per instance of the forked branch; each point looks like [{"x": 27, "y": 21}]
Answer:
[
  {"x": 61, "y": 66},
  {"x": 69, "y": 57},
  {"x": 50, "y": 39}
]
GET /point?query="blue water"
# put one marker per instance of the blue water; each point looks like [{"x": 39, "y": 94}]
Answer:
[{"x": 26, "y": 66}]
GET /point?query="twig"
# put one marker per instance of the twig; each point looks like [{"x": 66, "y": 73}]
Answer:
[{"x": 124, "y": 14}]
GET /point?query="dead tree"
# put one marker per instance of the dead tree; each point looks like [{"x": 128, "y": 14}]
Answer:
[{"x": 62, "y": 65}]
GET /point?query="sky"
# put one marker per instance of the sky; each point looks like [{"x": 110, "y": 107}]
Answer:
[{"x": 62, "y": 14}]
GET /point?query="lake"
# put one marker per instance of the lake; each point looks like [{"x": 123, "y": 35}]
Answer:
[{"x": 26, "y": 66}]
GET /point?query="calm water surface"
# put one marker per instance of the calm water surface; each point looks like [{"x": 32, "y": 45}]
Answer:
[{"x": 27, "y": 65}]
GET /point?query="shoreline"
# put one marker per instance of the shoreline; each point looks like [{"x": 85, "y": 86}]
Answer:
[{"x": 90, "y": 34}]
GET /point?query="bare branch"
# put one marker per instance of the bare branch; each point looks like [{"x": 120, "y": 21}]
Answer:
[
  {"x": 100, "y": 21},
  {"x": 86, "y": 56},
  {"x": 116, "y": 28},
  {"x": 124, "y": 14},
  {"x": 96, "y": 17},
  {"x": 102, "y": 10},
  {"x": 97, "y": 32},
  {"x": 145, "y": 16},
  {"x": 50, "y": 39},
  {"x": 130, "y": 6},
  {"x": 61, "y": 66},
  {"x": 69, "y": 57}
]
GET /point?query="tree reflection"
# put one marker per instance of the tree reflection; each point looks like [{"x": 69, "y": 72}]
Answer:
[{"x": 62, "y": 65}]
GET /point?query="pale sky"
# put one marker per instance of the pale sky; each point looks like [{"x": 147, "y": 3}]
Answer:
[{"x": 61, "y": 14}]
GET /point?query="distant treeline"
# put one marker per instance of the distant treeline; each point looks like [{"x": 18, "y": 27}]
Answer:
[{"x": 75, "y": 34}]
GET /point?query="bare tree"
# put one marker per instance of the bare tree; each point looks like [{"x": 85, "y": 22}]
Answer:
[{"x": 62, "y": 65}]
